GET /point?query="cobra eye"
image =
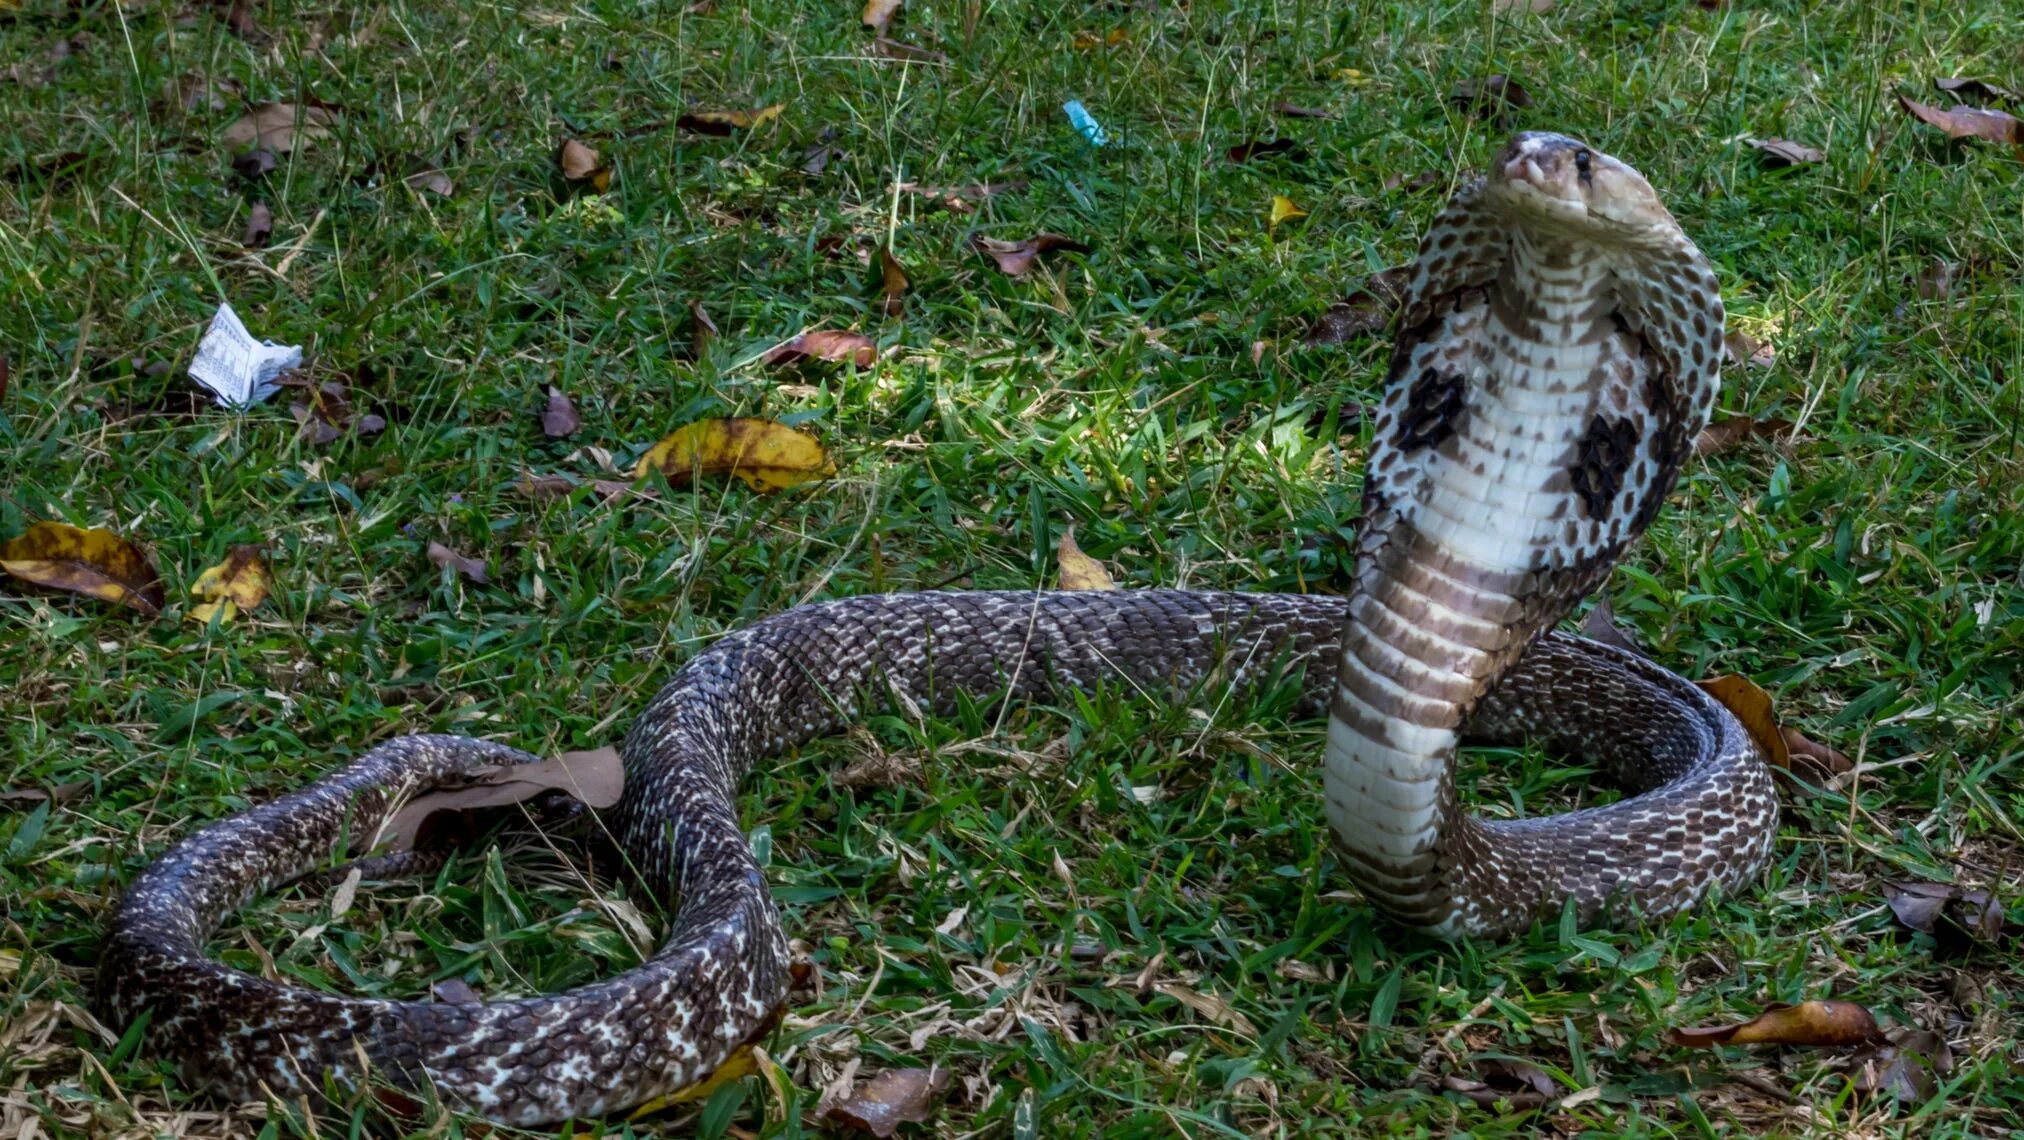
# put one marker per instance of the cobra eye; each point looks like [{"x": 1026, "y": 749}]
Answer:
[{"x": 1581, "y": 165}]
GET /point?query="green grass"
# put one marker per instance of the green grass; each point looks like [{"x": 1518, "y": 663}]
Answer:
[{"x": 1154, "y": 393}]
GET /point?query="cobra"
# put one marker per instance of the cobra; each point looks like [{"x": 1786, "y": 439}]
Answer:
[{"x": 1557, "y": 349}]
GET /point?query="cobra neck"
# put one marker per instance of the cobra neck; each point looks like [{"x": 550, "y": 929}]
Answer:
[{"x": 1448, "y": 588}]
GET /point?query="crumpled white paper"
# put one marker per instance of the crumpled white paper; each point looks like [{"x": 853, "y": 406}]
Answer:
[{"x": 236, "y": 368}]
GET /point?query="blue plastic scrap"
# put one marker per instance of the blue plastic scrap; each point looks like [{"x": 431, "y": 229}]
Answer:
[{"x": 1080, "y": 118}]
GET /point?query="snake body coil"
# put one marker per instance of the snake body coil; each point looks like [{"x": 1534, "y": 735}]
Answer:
[{"x": 1557, "y": 350}]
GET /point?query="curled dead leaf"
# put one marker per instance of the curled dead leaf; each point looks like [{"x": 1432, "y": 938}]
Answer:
[
  {"x": 703, "y": 330},
  {"x": 1078, "y": 570},
  {"x": 448, "y": 559},
  {"x": 832, "y": 345},
  {"x": 766, "y": 455},
  {"x": 1283, "y": 210},
  {"x": 1296, "y": 111},
  {"x": 878, "y": 14},
  {"x": 1752, "y": 706},
  {"x": 259, "y": 226},
  {"x": 1907, "y": 1066},
  {"x": 1491, "y": 96},
  {"x": 1972, "y": 88},
  {"x": 893, "y": 283},
  {"x": 962, "y": 199},
  {"x": 94, "y": 562},
  {"x": 593, "y": 778},
  {"x": 890, "y": 1099},
  {"x": 1816, "y": 763},
  {"x": 1964, "y": 122},
  {"x": 1785, "y": 152},
  {"x": 1601, "y": 625},
  {"x": 1815, "y": 1023},
  {"x": 1740, "y": 347},
  {"x": 1942, "y": 908},
  {"x": 1255, "y": 148},
  {"x": 1519, "y": 1084},
  {"x": 241, "y": 582},
  {"x": 559, "y": 419},
  {"x": 280, "y": 127},
  {"x": 724, "y": 122},
  {"x": 1015, "y": 258},
  {"x": 1208, "y": 1005},
  {"x": 1727, "y": 435},
  {"x": 50, "y": 794},
  {"x": 579, "y": 163},
  {"x": 1368, "y": 309}
]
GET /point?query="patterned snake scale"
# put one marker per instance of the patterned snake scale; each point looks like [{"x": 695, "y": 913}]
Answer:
[{"x": 1556, "y": 352}]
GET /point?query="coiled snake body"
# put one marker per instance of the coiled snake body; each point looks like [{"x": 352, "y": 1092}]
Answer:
[{"x": 1557, "y": 350}]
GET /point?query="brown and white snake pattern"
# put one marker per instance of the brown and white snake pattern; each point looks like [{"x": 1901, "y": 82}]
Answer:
[{"x": 1556, "y": 352}]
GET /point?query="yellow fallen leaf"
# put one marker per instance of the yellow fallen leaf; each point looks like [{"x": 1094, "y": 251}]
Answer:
[
  {"x": 724, "y": 122},
  {"x": 1351, "y": 77},
  {"x": 1283, "y": 210},
  {"x": 1078, "y": 570},
  {"x": 768, "y": 456},
  {"x": 240, "y": 582},
  {"x": 1752, "y": 706},
  {"x": 1816, "y": 1023},
  {"x": 95, "y": 562},
  {"x": 879, "y": 13},
  {"x": 738, "y": 1065}
]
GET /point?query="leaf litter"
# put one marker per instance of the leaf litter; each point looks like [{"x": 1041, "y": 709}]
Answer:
[
  {"x": 239, "y": 583},
  {"x": 765, "y": 454},
  {"x": 95, "y": 562},
  {"x": 1016, "y": 258},
  {"x": 593, "y": 778}
]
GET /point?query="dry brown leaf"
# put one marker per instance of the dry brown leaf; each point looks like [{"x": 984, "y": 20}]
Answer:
[
  {"x": 1245, "y": 152},
  {"x": 1015, "y": 258},
  {"x": 1367, "y": 310},
  {"x": 1078, "y": 570},
  {"x": 1728, "y": 434},
  {"x": 53, "y": 794},
  {"x": 1752, "y": 706},
  {"x": 1785, "y": 152},
  {"x": 893, "y": 282},
  {"x": 545, "y": 486},
  {"x": 325, "y": 413},
  {"x": 724, "y": 122},
  {"x": 280, "y": 127},
  {"x": 704, "y": 330},
  {"x": 1936, "y": 281},
  {"x": 1964, "y": 122},
  {"x": 255, "y": 164},
  {"x": 1296, "y": 111},
  {"x": 1908, "y": 1066},
  {"x": 1967, "y": 910},
  {"x": 1601, "y": 625},
  {"x": 894, "y": 49},
  {"x": 1742, "y": 348},
  {"x": 1818, "y": 1023},
  {"x": 259, "y": 226},
  {"x": 454, "y": 991},
  {"x": 594, "y": 778},
  {"x": 1817, "y": 763},
  {"x": 579, "y": 163},
  {"x": 832, "y": 345},
  {"x": 1971, "y": 88},
  {"x": 768, "y": 456},
  {"x": 94, "y": 562},
  {"x": 890, "y": 1099},
  {"x": 241, "y": 582},
  {"x": 962, "y": 199},
  {"x": 431, "y": 179},
  {"x": 472, "y": 568},
  {"x": 558, "y": 418},
  {"x": 1520, "y": 1084},
  {"x": 1490, "y": 97},
  {"x": 1413, "y": 184},
  {"x": 1208, "y": 1005},
  {"x": 878, "y": 14}
]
